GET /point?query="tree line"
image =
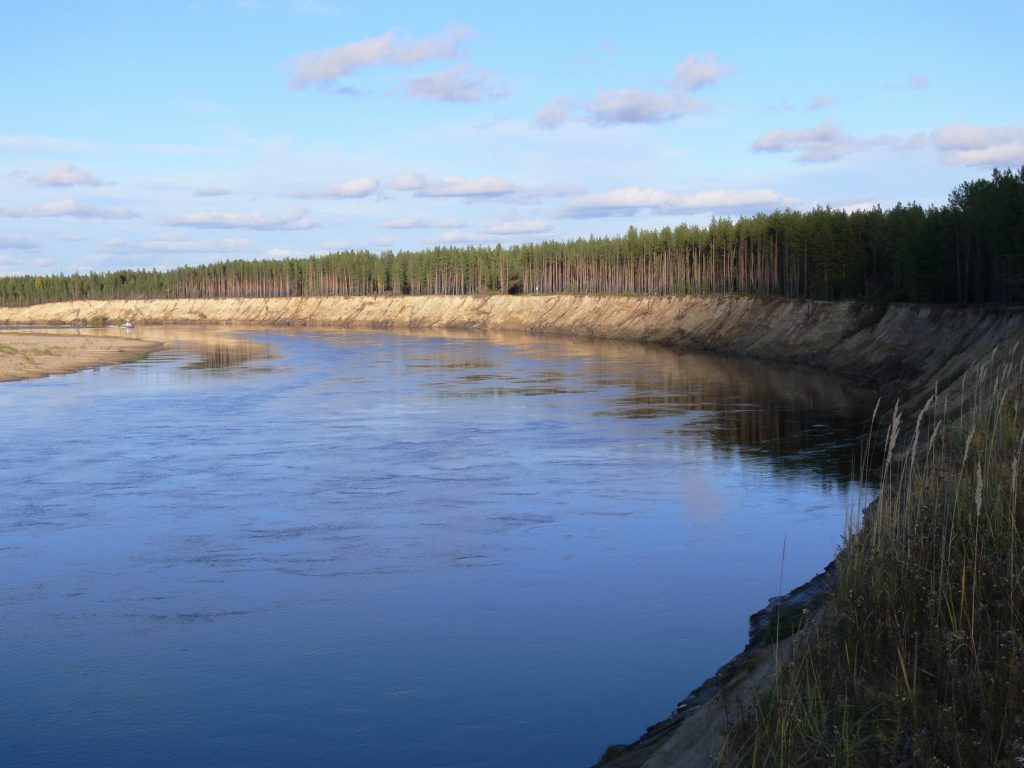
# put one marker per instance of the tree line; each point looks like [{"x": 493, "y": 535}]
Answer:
[{"x": 971, "y": 249}]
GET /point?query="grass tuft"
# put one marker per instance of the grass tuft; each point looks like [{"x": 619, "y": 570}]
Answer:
[{"x": 918, "y": 660}]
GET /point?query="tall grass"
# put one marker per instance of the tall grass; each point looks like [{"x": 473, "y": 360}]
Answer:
[{"x": 918, "y": 660}]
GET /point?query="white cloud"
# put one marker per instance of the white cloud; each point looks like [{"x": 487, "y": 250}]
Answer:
[
  {"x": 554, "y": 113},
  {"x": 979, "y": 145},
  {"x": 519, "y": 227},
  {"x": 407, "y": 181},
  {"x": 69, "y": 207},
  {"x": 17, "y": 243},
  {"x": 635, "y": 106},
  {"x": 458, "y": 84},
  {"x": 729, "y": 199},
  {"x": 700, "y": 69},
  {"x": 284, "y": 253},
  {"x": 642, "y": 106},
  {"x": 325, "y": 67},
  {"x": 66, "y": 176},
  {"x": 623, "y": 201},
  {"x": 421, "y": 223},
  {"x": 626, "y": 201},
  {"x": 211, "y": 192},
  {"x": 962, "y": 136},
  {"x": 859, "y": 207},
  {"x": 405, "y": 224},
  {"x": 820, "y": 144},
  {"x": 172, "y": 242},
  {"x": 534, "y": 194},
  {"x": 474, "y": 188},
  {"x": 461, "y": 237},
  {"x": 820, "y": 101},
  {"x": 454, "y": 186},
  {"x": 373, "y": 244},
  {"x": 362, "y": 186},
  {"x": 294, "y": 218}
]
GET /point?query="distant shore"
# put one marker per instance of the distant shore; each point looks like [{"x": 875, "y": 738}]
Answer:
[
  {"x": 31, "y": 355},
  {"x": 901, "y": 350}
]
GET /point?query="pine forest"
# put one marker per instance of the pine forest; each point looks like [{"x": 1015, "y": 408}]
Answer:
[{"x": 969, "y": 250}]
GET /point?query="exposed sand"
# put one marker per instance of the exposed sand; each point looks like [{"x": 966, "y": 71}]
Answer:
[
  {"x": 900, "y": 349},
  {"x": 32, "y": 355}
]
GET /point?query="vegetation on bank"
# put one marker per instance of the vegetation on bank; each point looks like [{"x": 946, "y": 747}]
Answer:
[
  {"x": 919, "y": 658},
  {"x": 969, "y": 250}
]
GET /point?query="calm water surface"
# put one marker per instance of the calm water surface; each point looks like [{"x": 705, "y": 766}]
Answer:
[{"x": 395, "y": 550}]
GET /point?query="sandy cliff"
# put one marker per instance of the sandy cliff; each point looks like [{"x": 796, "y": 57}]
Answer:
[{"x": 898, "y": 349}]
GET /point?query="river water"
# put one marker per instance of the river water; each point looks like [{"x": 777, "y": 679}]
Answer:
[{"x": 350, "y": 548}]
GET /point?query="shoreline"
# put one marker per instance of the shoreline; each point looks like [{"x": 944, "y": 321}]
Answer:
[
  {"x": 26, "y": 354},
  {"x": 903, "y": 351},
  {"x": 899, "y": 350}
]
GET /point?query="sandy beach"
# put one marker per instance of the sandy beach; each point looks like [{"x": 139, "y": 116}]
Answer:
[{"x": 32, "y": 355}]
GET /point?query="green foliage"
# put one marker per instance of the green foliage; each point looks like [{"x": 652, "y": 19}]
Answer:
[{"x": 970, "y": 250}]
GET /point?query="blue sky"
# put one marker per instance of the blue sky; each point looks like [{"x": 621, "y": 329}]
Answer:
[{"x": 164, "y": 133}]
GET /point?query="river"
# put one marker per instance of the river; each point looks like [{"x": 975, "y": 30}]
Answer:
[{"x": 396, "y": 549}]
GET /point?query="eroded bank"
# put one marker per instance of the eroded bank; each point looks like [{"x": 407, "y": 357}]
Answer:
[{"x": 899, "y": 349}]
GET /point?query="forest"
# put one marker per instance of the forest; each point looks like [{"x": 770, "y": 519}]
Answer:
[{"x": 969, "y": 250}]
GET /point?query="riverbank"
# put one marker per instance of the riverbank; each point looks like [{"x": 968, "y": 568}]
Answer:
[
  {"x": 919, "y": 657},
  {"x": 34, "y": 355},
  {"x": 903, "y": 351}
]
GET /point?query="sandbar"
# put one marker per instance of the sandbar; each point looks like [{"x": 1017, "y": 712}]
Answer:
[{"x": 30, "y": 355}]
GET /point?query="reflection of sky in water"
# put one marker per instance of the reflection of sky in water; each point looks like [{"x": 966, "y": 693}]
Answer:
[{"x": 313, "y": 547}]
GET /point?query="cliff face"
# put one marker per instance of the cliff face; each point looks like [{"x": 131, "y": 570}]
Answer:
[{"x": 900, "y": 349}]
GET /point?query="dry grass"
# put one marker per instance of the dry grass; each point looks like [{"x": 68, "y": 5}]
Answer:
[{"x": 919, "y": 659}]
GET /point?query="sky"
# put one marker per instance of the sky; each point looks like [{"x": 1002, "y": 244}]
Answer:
[{"x": 156, "y": 134}]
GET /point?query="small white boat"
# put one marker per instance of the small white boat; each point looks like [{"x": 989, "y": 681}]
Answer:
[{"x": 127, "y": 324}]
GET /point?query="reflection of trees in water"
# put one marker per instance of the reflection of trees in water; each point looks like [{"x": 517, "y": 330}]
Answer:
[
  {"x": 801, "y": 419},
  {"x": 827, "y": 441},
  {"x": 449, "y": 362},
  {"x": 214, "y": 349},
  {"x": 214, "y": 356}
]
